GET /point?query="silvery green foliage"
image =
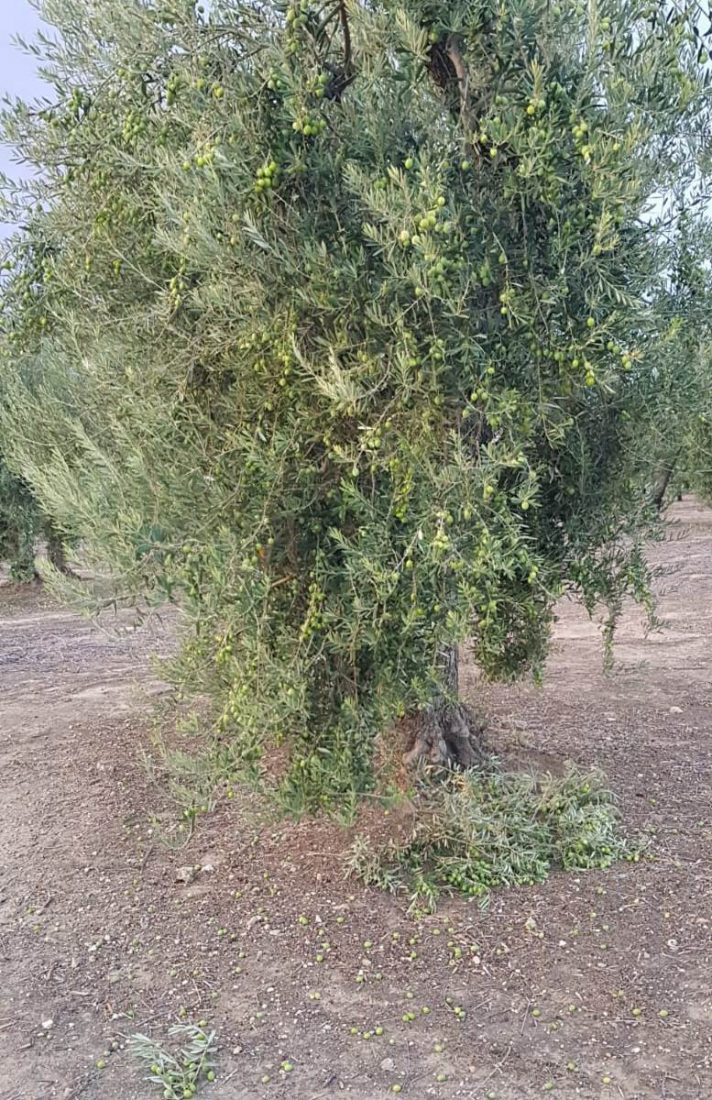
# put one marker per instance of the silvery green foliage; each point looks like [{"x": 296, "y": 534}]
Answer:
[{"x": 334, "y": 323}]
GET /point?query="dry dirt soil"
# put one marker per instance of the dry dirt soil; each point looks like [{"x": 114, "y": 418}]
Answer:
[{"x": 595, "y": 985}]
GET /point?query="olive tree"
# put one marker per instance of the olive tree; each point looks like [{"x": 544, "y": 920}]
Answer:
[
  {"x": 678, "y": 440},
  {"x": 18, "y": 526},
  {"x": 23, "y": 523},
  {"x": 333, "y": 327}
]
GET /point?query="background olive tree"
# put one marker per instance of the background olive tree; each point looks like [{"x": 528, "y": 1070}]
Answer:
[
  {"x": 19, "y": 521},
  {"x": 335, "y": 323},
  {"x": 679, "y": 436}
]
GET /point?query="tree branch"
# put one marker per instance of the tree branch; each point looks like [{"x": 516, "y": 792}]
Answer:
[
  {"x": 342, "y": 75},
  {"x": 448, "y": 69},
  {"x": 343, "y": 16},
  {"x": 454, "y": 52}
]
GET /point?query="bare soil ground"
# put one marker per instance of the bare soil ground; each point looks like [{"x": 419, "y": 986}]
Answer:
[{"x": 592, "y": 985}]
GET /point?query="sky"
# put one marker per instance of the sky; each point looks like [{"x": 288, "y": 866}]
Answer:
[
  {"x": 18, "y": 74},
  {"x": 17, "y": 71}
]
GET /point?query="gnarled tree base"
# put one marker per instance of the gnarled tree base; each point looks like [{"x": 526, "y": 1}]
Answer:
[{"x": 447, "y": 736}]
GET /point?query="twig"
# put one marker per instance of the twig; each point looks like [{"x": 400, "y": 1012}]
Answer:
[
  {"x": 44, "y": 905},
  {"x": 145, "y": 857},
  {"x": 498, "y": 1067}
]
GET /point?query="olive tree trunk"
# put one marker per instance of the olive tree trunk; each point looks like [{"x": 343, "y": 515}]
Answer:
[
  {"x": 663, "y": 480},
  {"x": 447, "y": 733},
  {"x": 56, "y": 552}
]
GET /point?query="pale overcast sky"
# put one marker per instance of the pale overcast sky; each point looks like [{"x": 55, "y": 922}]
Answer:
[
  {"x": 17, "y": 71},
  {"x": 18, "y": 74}
]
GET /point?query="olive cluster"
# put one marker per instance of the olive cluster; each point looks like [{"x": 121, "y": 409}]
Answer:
[{"x": 267, "y": 176}]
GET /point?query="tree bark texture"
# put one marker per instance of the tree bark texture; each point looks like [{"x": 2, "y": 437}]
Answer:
[{"x": 447, "y": 733}]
